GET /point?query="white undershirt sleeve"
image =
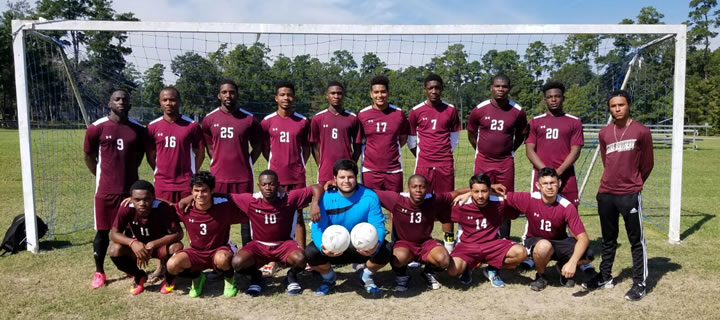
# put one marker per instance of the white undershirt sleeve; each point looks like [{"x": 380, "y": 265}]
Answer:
[
  {"x": 412, "y": 142},
  {"x": 454, "y": 140}
]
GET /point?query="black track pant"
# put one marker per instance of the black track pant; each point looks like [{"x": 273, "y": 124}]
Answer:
[{"x": 610, "y": 207}]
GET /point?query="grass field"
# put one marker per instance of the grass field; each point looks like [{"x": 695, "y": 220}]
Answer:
[{"x": 54, "y": 283}]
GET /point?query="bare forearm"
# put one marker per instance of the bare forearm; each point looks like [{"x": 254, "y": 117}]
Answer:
[
  {"x": 91, "y": 162},
  {"x": 199, "y": 158},
  {"x": 119, "y": 238},
  {"x": 569, "y": 160},
  {"x": 533, "y": 157},
  {"x": 580, "y": 247},
  {"x": 472, "y": 137}
]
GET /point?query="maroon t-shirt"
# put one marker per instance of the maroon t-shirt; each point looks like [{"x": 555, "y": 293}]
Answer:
[
  {"x": 410, "y": 222},
  {"x": 432, "y": 127},
  {"x": 209, "y": 230},
  {"x": 553, "y": 136},
  {"x": 287, "y": 137},
  {"x": 496, "y": 128},
  {"x": 547, "y": 221},
  {"x": 381, "y": 141},
  {"x": 480, "y": 225},
  {"x": 175, "y": 158},
  {"x": 627, "y": 157},
  {"x": 228, "y": 135},
  {"x": 336, "y": 134},
  {"x": 118, "y": 145},
  {"x": 272, "y": 222},
  {"x": 160, "y": 222}
]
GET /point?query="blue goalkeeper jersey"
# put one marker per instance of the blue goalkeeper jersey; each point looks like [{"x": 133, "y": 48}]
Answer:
[{"x": 362, "y": 206}]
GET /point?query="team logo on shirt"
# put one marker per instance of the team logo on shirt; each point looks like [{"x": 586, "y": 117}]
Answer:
[
  {"x": 325, "y": 125},
  {"x": 487, "y": 117},
  {"x": 536, "y": 214},
  {"x": 216, "y": 125},
  {"x": 274, "y": 129},
  {"x": 542, "y": 127},
  {"x": 371, "y": 121},
  {"x": 108, "y": 137},
  {"x": 191, "y": 220},
  {"x": 424, "y": 118},
  {"x": 160, "y": 134},
  {"x": 620, "y": 146}
]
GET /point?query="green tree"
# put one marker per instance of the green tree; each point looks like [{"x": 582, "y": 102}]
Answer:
[
  {"x": 153, "y": 81},
  {"x": 197, "y": 81},
  {"x": 702, "y": 19}
]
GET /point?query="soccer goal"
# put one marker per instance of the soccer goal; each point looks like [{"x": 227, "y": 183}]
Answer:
[{"x": 64, "y": 70}]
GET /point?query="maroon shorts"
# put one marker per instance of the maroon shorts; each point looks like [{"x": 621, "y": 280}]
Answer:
[
  {"x": 106, "y": 208},
  {"x": 440, "y": 179},
  {"x": 492, "y": 252},
  {"x": 203, "y": 259},
  {"x": 171, "y": 195},
  {"x": 418, "y": 251},
  {"x": 234, "y": 187},
  {"x": 499, "y": 171},
  {"x": 383, "y": 180},
  {"x": 264, "y": 253},
  {"x": 568, "y": 189}
]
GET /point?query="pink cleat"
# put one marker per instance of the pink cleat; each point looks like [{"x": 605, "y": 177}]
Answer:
[{"x": 98, "y": 280}]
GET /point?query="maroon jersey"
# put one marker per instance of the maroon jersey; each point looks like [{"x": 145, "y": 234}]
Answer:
[
  {"x": 228, "y": 134},
  {"x": 286, "y": 137},
  {"x": 432, "y": 127},
  {"x": 272, "y": 222},
  {"x": 480, "y": 225},
  {"x": 336, "y": 134},
  {"x": 160, "y": 222},
  {"x": 209, "y": 230},
  {"x": 546, "y": 221},
  {"x": 496, "y": 128},
  {"x": 381, "y": 141},
  {"x": 410, "y": 222},
  {"x": 627, "y": 157},
  {"x": 119, "y": 145},
  {"x": 175, "y": 158},
  {"x": 553, "y": 136}
]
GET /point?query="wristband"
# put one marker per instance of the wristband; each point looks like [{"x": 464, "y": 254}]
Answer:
[{"x": 131, "y": 242}]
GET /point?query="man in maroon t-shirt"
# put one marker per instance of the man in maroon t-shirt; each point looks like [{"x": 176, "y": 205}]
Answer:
[
  {"x": 496, "y": 128},
  {"x": 227, "y": 130},
  {"x": 156, "y": 233},
  {"x": 434, "y": 133},
  {"x": 549, "y": 217},
  {"x": 335, "y": 134},
  {"x": 178, "y": 148},
  {"x": 626, "y": 148},
  {"x": 272, "y": 216},
  {"x": 114, "y": 148},
  {"x": 413, "y": 215},
  {"x": 385, "y": 131}
]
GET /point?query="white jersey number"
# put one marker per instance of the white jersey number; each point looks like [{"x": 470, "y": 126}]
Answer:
[
  {"x": 480, "y": 225},
  {"x": 170, "y": 142},
  {"x": 415, "y": 217},
  {"x": 226, "y": 132},
  {"x": 285, "y": 136},
  {"x": 334, "y": 133},
  {"x": 551, "y": 133},
  {"x": 270, "y": 218},
  {"x": 381, "y": 126},
  {"x": 120, "y": 144},
  {"x": 545, "y": 225},
  {"x": 203, "y": 229},
  {"x": 497, "y": 125}
]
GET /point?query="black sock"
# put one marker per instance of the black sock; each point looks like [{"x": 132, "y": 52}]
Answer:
[
  {"x": 292, "y": 274},
  {"x": 169, "y": 277},
  {"x": 189, "y": 274},
  {"x": 100, "y": 246},
  {"x": 491, "y": 268},
  {"x": 430, "y": 268},
  {"x": 400, "y": 271},
  {"x": 228, "y": 273},
  {"x": 128, "y": 265},
  {"x": 254, "y": 273}
]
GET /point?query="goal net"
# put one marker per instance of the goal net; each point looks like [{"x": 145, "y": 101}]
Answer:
[{"x": 67, "y": 81}]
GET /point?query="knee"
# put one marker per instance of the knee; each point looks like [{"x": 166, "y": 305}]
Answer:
[
  {"x": 400, "y": 257},
  {"x": 442, "y": 260},
  {"x": 313, "y": 256},
  {"x": 237, "y": 261},
  {"x": 173, "y": 265},
  {"x": 518, "y": 252},
  {"x": 175, "y": 247},
  {"x": 543, "y": 248},
  {"x": 297, "y": 259},
  {"x": 222, "y": 260},
  {"x": 116, "y": 250}
]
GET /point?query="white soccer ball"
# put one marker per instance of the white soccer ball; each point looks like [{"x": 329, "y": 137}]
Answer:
[
  {"x": 336, "y": 238},
  {"x": 364, "y": 236}
]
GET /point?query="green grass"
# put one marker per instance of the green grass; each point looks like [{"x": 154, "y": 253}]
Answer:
[{"x": 54, "y": 283}]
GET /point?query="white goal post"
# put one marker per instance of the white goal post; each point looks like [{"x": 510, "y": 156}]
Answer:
[{"x": 21, "y": 27}]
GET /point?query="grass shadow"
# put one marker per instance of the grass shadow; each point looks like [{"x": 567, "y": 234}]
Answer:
[
  {"x": 657, "y": 266},
  {"x": 696, "y": 226},
  {"x": 49, "y": 245}
]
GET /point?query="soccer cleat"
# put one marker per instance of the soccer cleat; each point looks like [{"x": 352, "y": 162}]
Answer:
[
  {"x": 540, "y": 282},
  {"x": 414, "y": 264},
  {"x": 98, "y": 280},
  {"x": 431, "y": 281},
  {"x": 636, "y": 292},
  {"x": 230, "y": 290},
  {"x": 167, "y": 288},
  {"x": 598, "y": 282},
  {"x": 565, "y": 282},
  {"x": 326, "y": 286},
  {"x": 196, "y": 289},
  {"x": 293, "y": 288},
  {"x": 401, "y": 283},
  {"x": 494, "y": 278},
  {"x": 371, "y": 288},
  {"x": 255, "y": 289},
  {"x": 138, "y": 286},
  {"x": 466, "y": 277},
  {"x": 307, "y": 267}
]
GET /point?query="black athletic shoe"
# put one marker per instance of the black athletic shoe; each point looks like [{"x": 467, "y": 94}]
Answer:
[
  {"x": 636, "y": 292},
  {"x": 598, "y": 282},
  {"x": 540, "y": 282},
  {"x": 565, "y": 282}
]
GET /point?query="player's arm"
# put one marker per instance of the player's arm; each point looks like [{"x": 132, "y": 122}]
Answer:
[
  {"x": 455, "y": 193},
  {"x": 118, "y": 236},
  {"x": 533, "y": 156},
  {"x": 258, "y": 146},
  {"x": 151, "y": 155},
  {"x": 166, "y": 240},
  {"x": 199, "y": 156},
  {"x": 357, "y": 150},
  {"x": 472, "y": 128},
  {"x": 316, "y": 152},
  {"x": 581, "y": 246},
  {"x": 521, "y": 131},
  {"x": 207, "y": 137},
  {"x": 569, "y": 160},
  {"x": 412, "y": 137},
  {"x": 147, "y": 149},
  {"x": 647, "y": 161},
  {"x": 91, "y": 161}
]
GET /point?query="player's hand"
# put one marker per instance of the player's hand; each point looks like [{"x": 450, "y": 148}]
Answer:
[
  {"x": 330, "y": 253},
  {"x": 184, "y": 204},
  {"x": 150, "y": 246},
  {"x": 568, "y": 270},
  {"x": 125, "y": 202},
  {"x": 368, "y": 252},
  {"x": 314, "y": 212},
  {"x": 329, "y": 185},
  {"x": 140, "y": 252},
  {"x": 499, "y": 189},
  {"x": 461, "y": 199}
]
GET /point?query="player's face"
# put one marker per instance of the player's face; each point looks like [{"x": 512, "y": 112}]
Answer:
[
  {"x": 433, "y": 91},
  {"x": 379, "y": 95},
  {"x": 202, "y": 196},
  {"x": 142, "y": 200},
  {"x": 499, "y": 89},
  {"x": 268, "y": 186},
  {"x": 548, "y": 185},
  {"x": 554, "y": 99},
  {"x": 417, "y": 189},
  {"x": 335, "y": 96},
  {"x": 480, "y": 194},
  {"x": 619, "y": 108},
  {"x": 119, "y": 103},
  {"x": 228, "y": 96},
  {"x": 285, "y": 98},
  {"x": 169, "y": 102},
  {"x": 346, "y": 181}
]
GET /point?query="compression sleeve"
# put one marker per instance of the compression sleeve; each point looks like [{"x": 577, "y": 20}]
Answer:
[
  {"x": 412, "y": 142},
  {"x": 454, "y": 140}
]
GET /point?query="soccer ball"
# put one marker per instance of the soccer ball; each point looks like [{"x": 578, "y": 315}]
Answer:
[
  {"x": 364, "y": 236},
  {"x": 336, "y": 238}
]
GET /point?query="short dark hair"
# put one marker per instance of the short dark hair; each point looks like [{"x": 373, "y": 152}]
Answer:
[
  {"x": 547, "y": 172},
  {"x": 113, "y": 90},
  {"x": 345, "y": 164},
  {"x": 142, "y": 185},
  {"x": 203, "y": 178},
  {"x": 230, "y": 82},
  {"x": 269, "y": 172},
  {"x": 284, "y": 84},
  {"x": 434, "y": 77},
  {"x": 553, "y": 85},
  {"x": 500, "y": 76},
  {"x": 177, "y": 92},
  {"x": 417, "y": 176},
  {"x": 335, "y": 83},
  {"x": 380, "y": 79},
  {"x": 620, "y": 93},
  {"x": 480, "y": 178}
]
